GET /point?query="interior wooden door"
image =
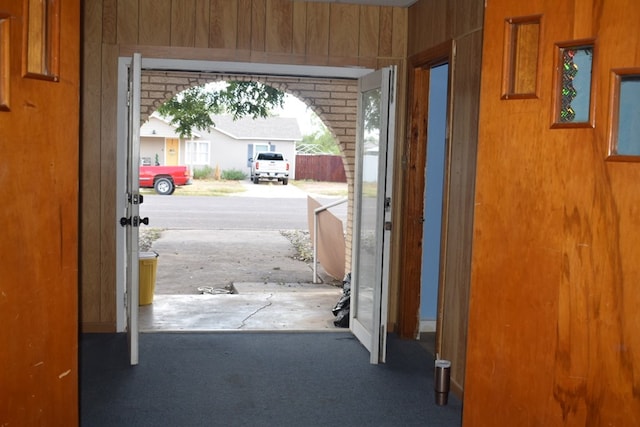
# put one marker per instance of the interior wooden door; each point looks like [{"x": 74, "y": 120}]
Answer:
[{"x": 39, "y": 128}]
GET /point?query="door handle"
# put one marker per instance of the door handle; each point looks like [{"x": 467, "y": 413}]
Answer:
[{"x": 124, "y": 221}]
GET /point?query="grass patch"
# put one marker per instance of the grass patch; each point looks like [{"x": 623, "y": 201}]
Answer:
[
  {"x": 204, "y": 187},
  {"x": 334, "y": 189}
]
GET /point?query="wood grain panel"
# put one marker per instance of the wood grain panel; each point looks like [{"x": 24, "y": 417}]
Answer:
[
  {"x": 223, "y": 30},
  {"x": 39, "y": 245},
  {"x": 318, "y": 29},
  {"x": 92, "y": 24},
  {"x": 429, "y": 24},
  {"x": 413, "y": 202},
  {"x": 202, "y": 23},
  {"x": 399, "y": 32},
  {"x": 555, "y": 245},
  {"x": 183, "y": 22},
  {"x": 369, "y": 31},
  {"x": 299, "y": 28},
  {"x": 343, "y": 37},
  {"x": 244, "y": 24},
  {"x": 460, "y": 200},
  {"x": 109, "y": 17},
  {"x": 155, "y": 22},
  {"x": 466, "y": 16},
  {"x": 127, "y": 21},
  {"x": 90, "y": 177},
  {"x": 258, "y": 25},
  {"x": 385, "y": 45},
  {"x": 108, "y": 157},
  {"x": 279, "y": 26}
]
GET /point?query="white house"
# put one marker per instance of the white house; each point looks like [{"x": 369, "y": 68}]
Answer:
[{"x": 229, "y": 145}]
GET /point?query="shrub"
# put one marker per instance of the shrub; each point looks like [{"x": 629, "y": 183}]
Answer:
[
  {"x": 233, "y": 175},
  {"x": 202, "y": 172}
]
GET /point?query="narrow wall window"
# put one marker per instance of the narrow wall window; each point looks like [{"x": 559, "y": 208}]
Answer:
[
  {"x": 521, "y": 51},
  {"x": 5, "y": 35},
  {"x": 42, "y": 39},
  {"x": 624, "y": 132},
  {"x": 573, "y": 85}
]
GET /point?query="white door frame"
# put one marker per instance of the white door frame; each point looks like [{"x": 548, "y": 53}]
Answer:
[{"x": 187, "y": 66}]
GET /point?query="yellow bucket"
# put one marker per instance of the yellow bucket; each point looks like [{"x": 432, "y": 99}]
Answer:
[{"x": 148, "y": 264}]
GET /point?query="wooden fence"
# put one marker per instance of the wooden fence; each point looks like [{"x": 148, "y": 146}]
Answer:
[{"x": 320, "y": 167}]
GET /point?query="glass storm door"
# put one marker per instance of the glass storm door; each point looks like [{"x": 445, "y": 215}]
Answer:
[
  {"x": 132, "y": 219},
  {"x": 372, "y": 219}
]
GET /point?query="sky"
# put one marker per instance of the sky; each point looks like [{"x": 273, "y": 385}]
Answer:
[{"x": 293, "y": 107}]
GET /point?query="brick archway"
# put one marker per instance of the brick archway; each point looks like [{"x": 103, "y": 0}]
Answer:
[{"x": 333, "y": 100}]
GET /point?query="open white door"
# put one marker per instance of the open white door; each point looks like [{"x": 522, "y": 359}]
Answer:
[
  {"x": 372, "y": 219},
  {"x": 132, "y": 219}
]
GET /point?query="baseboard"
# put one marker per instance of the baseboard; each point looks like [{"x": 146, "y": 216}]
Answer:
[
  {"x": 427, "y": 326},
  {"x": 97, "y": 327}
]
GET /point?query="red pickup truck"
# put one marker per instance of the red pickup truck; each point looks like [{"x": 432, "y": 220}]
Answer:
[{"x": 164, "y": 179}]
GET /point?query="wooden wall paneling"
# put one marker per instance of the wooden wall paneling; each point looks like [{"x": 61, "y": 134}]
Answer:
[
  {"x": 318, "y": 29},
  {"x": 369, "y": 31},
  {"x": 201, "y": 24},
  {"x": 343, "y": 34},
  {"x": 244, "y": 24},
  {"x": 109, "y": 17},
  {"x": 93, "y": 23},
  {"x": 127, "y": 20},
  {"x": 90, "y": 163},
  {"x": 223, "y": 16},
  {"x": 466, "y": 16},
  {"x": 399, "y": 33},
  {"x": 429, "y": 24},
  {"x": 155, "y": 22},
  {"x": 108, "y": 138},
  {"x": 299, "y": 28},
  {"x": 258, "y": 25},
  {"x": 183, "y": 23},
  {"x": 279, "y": 26},
  {"x": 385, "y": 42},
  {"x": 460, "y": 197}
]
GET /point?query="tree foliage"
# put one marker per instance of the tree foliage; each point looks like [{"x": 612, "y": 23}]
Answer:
[
  {"x": 319, "y": 142},
  {"x": 192, "y": 109}
]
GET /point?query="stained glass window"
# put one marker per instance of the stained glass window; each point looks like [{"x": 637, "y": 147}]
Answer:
[{"x": 573, "y": 93}]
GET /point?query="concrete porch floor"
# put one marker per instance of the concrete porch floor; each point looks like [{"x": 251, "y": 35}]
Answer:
[{"x": 255, "y": 307}]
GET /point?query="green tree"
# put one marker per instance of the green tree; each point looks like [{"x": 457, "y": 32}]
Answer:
[
  {"x": 319, "y": 142},
  {"x": 192, "y": 108}
]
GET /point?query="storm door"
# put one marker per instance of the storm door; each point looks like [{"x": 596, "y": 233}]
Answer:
[
  {"x": 131, "y": 221},
  {"x": 372, "y": 213}
]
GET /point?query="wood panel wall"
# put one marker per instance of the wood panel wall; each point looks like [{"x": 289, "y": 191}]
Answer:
[
  {"x": 262, "y": 31},
  {"x": 452, "y": 31},
  {"x": 553, "y": 323}
]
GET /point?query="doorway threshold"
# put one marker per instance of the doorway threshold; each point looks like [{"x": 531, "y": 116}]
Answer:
[{"x": 255, "y": 307}]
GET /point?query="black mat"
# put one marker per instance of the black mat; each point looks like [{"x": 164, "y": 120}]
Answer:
[{"x": 257, "y": 379}]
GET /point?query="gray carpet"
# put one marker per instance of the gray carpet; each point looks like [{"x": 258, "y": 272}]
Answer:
[{"x": 257, "y": 379}]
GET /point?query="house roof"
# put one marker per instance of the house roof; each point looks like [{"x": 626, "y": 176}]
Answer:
[
  {"x": 274, "y": 128},
  {"x": 271, "y": 128}
]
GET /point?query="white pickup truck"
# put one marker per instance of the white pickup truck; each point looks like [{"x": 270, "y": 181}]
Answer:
[{"x": 270, "y": 166}]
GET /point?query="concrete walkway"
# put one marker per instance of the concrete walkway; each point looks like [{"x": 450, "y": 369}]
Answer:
[
  {"x": 256, "y": 307},
  {"x": 272, "y": 290}
]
